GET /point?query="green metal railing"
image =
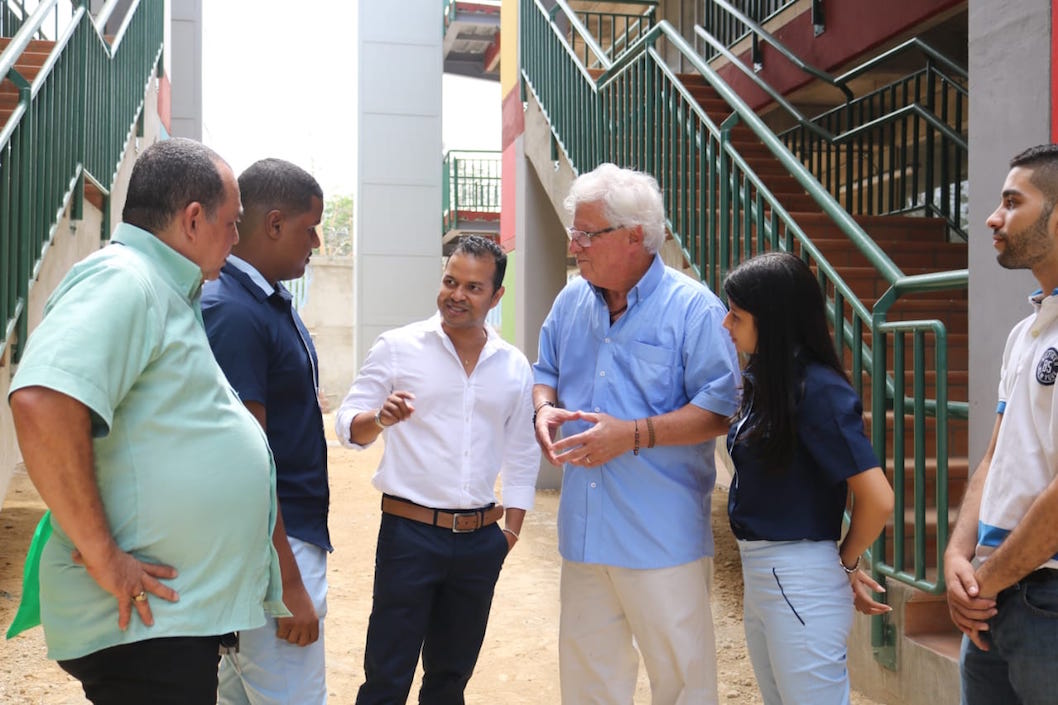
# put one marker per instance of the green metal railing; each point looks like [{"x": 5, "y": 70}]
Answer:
[
  {"x": 638, "y": 113},
  {"x": 470, "y": 183},
  {"x": 901, "y": 148},
  {"x": 13, "y": 14},
  {"x": 615, "y": 31},
  {"x": 728, "y": 29},
  {"x": 71, "y": 124}
]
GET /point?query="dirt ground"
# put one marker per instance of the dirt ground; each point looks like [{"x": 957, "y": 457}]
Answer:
[{"x": 519, "y": 661}]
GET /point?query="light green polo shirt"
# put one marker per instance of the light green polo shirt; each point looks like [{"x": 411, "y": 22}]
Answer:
[{"x": 184, "y": 470}]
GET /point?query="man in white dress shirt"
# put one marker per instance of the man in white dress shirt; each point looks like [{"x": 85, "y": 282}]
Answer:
[{"x": 454, "y": 401}]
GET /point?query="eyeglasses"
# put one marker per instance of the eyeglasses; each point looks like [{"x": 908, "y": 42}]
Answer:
[{"x": 583, "y": 237}]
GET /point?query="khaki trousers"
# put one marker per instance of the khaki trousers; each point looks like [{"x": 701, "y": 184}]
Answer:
[{"x": 665, "y": 611}]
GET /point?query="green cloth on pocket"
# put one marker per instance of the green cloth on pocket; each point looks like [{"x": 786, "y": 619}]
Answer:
[{"x": 28, "y": 615}]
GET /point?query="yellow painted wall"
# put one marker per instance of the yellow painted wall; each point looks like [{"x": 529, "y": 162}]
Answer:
[{"x": 508, "y": 46}]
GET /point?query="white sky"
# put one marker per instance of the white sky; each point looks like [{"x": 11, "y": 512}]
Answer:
[{"x": 278, "y": 80}]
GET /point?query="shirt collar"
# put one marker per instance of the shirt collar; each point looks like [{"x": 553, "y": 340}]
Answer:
[
  {"x": 178, "y": 271},
  {"x": 251, "y": 271},
  {"x": 646, "y": 284},
  {"x": 434, "y": 324},
  {"x": 1037, "y": 298}
]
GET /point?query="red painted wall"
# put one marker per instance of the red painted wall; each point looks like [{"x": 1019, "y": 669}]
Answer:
[
  {"x": 513, "y": 127},
  {"x": 852, "y": 29}
]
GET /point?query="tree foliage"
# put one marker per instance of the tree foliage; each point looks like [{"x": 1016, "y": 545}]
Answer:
[{"x": 337, "y": 226}]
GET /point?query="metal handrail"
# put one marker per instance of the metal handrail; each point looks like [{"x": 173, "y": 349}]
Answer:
[
  {"x": 914, "y": 43},
  {"x": 103, "y": 16},
  {"x": 24, "y": 36},
  {"x": 470, "y": 181},
  {"x": 782, "y": 48},
  {"x": 913, "y": 109},
  {"x": 762, "y": 84}
]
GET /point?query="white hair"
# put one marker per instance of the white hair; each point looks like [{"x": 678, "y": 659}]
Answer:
[{"x": 628, "y": 198}]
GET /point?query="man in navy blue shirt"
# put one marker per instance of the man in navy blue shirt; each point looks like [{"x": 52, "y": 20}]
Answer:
[{"x": 268, "y": 357}]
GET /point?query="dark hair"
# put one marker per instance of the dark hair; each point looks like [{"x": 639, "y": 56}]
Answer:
[
  {"x": 167, "y": 177},
  {"x": 1043, "y": 160},
  {"x": 787, "y": 304},
  {"x": 477, "y": 246},
  {"x": 275, "y": 183}
]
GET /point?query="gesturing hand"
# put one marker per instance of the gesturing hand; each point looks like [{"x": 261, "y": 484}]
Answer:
[
  {"x": 608, "y": 438},
  {"x": 397, "y": 407},
  {"x": 130, "y": 581},
  {"x": 548, "y": 420}
]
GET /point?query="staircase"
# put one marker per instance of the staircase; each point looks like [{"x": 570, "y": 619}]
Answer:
[
  {"x": 916, "y": 246},
  {"x": 28, "y": 65},
  {"x": 896, "y": 285},
  {"x": 72, "y": 102}
]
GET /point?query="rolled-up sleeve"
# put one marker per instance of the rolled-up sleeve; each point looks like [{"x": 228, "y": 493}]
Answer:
[
  {"x": 710, "y": 361},
  {"x": 521, "y": 461},
  {"x": 369, "y": 390}
]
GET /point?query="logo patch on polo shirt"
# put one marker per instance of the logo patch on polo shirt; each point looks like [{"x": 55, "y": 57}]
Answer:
[{"x": 1047, "y": 369}]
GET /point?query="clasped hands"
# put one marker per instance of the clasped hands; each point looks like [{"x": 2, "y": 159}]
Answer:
[
  {"x": 607, "y": 438},
  {"x": 970, "y": 607}
]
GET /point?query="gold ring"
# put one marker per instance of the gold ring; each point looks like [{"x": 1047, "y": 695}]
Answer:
[
  {"x": 141, "y": 596},
  {"x": 588, "y": 458}
]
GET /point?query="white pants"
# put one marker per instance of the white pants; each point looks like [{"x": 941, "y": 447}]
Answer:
[
  {"x": 665, "y": 610},
  {"x": 798, "y": 613},
  {"x": 269, "y": 671}
]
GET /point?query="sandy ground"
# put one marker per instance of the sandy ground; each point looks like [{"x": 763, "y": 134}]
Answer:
[{"x": 519, "y": 661}]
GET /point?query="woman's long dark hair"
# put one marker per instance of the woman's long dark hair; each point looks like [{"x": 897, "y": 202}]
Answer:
[{"x": 786, "y": 301}]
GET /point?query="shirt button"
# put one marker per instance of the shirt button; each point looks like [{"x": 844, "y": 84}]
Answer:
[
  {"x": 597, "y": 409},
  {"x": 603, "y": 373},
  {"x": 593, "y": 484},
  {"x": 606, "y": 340}
]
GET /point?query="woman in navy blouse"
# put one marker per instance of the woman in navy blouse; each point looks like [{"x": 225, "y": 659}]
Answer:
[{"x": 798, "y": 446}]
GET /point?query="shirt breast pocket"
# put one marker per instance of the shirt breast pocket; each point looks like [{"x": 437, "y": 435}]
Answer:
[{"x": 655, "y": 371}]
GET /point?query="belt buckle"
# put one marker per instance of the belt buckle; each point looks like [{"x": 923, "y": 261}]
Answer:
[{"x": 456, "y": 516}]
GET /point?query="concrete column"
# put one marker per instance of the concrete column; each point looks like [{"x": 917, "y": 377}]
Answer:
[
  {"x": 184, "y": 54},
  {"x": 397, "y": 239},
  {"x": 1009, "y": 111},
  {"x": 541, "y": 271}
]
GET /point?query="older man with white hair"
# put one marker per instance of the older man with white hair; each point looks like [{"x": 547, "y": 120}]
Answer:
[{"x": 637, "y": 371}]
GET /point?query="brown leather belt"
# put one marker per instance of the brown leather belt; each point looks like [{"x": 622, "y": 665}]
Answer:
[{"x": 458, "y": 522}]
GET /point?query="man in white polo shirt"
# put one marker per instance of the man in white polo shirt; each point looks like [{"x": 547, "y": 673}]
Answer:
[{"x": 1001, "y": 565}]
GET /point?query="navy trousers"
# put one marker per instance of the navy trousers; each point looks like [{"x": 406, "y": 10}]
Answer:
[
  {"x": 166, "y": 671},
  {"x": 433, "y": 591}
]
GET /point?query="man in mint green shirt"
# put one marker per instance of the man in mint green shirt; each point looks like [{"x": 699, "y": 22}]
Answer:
[{"x": 160, "y": 482}]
